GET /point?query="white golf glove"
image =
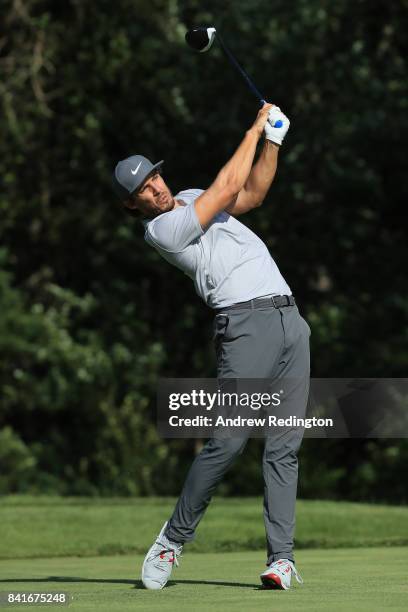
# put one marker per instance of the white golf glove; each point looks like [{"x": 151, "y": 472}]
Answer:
[{"x": 277, "y": 125}]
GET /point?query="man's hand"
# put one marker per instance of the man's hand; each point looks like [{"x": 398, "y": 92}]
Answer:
[
  {"x": 277, "y": 125},
  {"x": 261, "y": 119}
]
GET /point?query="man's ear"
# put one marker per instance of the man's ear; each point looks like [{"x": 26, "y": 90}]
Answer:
[
  {"x": 130, "y": 206},
  {"x": 130, "y": 203}
]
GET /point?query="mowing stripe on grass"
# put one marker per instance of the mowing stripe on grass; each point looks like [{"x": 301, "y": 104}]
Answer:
[{"x": 55, "y": 527}]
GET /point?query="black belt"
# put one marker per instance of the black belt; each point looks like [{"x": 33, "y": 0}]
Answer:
[{"x": 274, "y": 301}]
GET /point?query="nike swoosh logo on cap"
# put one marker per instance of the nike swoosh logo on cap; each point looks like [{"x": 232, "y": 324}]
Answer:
[{"x": 136, "y": 169}]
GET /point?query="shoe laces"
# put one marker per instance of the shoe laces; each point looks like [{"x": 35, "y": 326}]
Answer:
[
  {"x": 166, "y": 553},
  {"x": 278, "y": 565}
]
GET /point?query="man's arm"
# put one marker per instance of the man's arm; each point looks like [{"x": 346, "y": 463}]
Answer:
[
  {"x": 258, "y": 182},
  {"x": 233, "y": 176},
  {"x": 263, "y": 173}
]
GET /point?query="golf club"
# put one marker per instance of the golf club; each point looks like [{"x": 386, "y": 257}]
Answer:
[{"x": 201, "y": 39}]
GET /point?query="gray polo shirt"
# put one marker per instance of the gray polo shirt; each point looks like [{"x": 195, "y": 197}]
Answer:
[{"x": 227, "y": 261}]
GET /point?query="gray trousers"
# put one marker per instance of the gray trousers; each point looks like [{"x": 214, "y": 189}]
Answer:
[{"x": 268, "y": 343}]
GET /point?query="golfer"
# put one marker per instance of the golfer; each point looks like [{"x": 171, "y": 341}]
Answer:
[{"x": 258, "y": 330}]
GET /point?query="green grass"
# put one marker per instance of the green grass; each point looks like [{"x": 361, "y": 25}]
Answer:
[
  {"x": 52, "y": 527},
  {"x": 347, "y": 554},
  {"x": 360, "y": 579}
]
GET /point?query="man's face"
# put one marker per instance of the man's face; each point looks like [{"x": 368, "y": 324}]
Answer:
[{"x": 153, "y": 197}]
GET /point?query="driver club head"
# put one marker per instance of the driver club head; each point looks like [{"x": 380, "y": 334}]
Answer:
[{"x": 200, "y": 39}]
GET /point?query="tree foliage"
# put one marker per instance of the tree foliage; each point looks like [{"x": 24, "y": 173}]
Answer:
[{"x": 91, "y": 317}]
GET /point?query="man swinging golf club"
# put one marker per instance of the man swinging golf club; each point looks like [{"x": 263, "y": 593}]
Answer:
[{"x": 258, "y": 330}]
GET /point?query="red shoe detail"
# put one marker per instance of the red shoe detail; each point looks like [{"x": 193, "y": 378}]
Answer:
[
  {"x": 163, "y": 555},
  {"x": 274, "y": 579}
]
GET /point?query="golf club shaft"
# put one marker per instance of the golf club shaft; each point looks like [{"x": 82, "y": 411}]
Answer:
[{"x": 241, "y": 70}]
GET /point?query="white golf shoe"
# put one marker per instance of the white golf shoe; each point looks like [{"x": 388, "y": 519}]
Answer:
[
  {"x": 279, "y": 574},
  {"x": 159, "y": 561}
]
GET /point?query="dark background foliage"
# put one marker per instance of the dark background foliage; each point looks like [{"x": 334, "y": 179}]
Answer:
[{"x": 91, "y": 317}]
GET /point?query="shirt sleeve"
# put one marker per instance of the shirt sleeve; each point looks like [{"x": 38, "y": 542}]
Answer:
[{"x": 174, "y": 230}]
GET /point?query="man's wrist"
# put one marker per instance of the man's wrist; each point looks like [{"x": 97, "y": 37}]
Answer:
[
  {"x": 254, "y": 133},
  {"x": 271, "y": 144}
]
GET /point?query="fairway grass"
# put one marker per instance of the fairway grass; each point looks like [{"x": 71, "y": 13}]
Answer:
[
  {"x": 362, "y": 579},
  {"x": 61, "y": 527}
]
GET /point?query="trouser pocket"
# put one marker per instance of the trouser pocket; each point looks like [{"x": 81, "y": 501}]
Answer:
[{"x": 220, "y": 325}]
